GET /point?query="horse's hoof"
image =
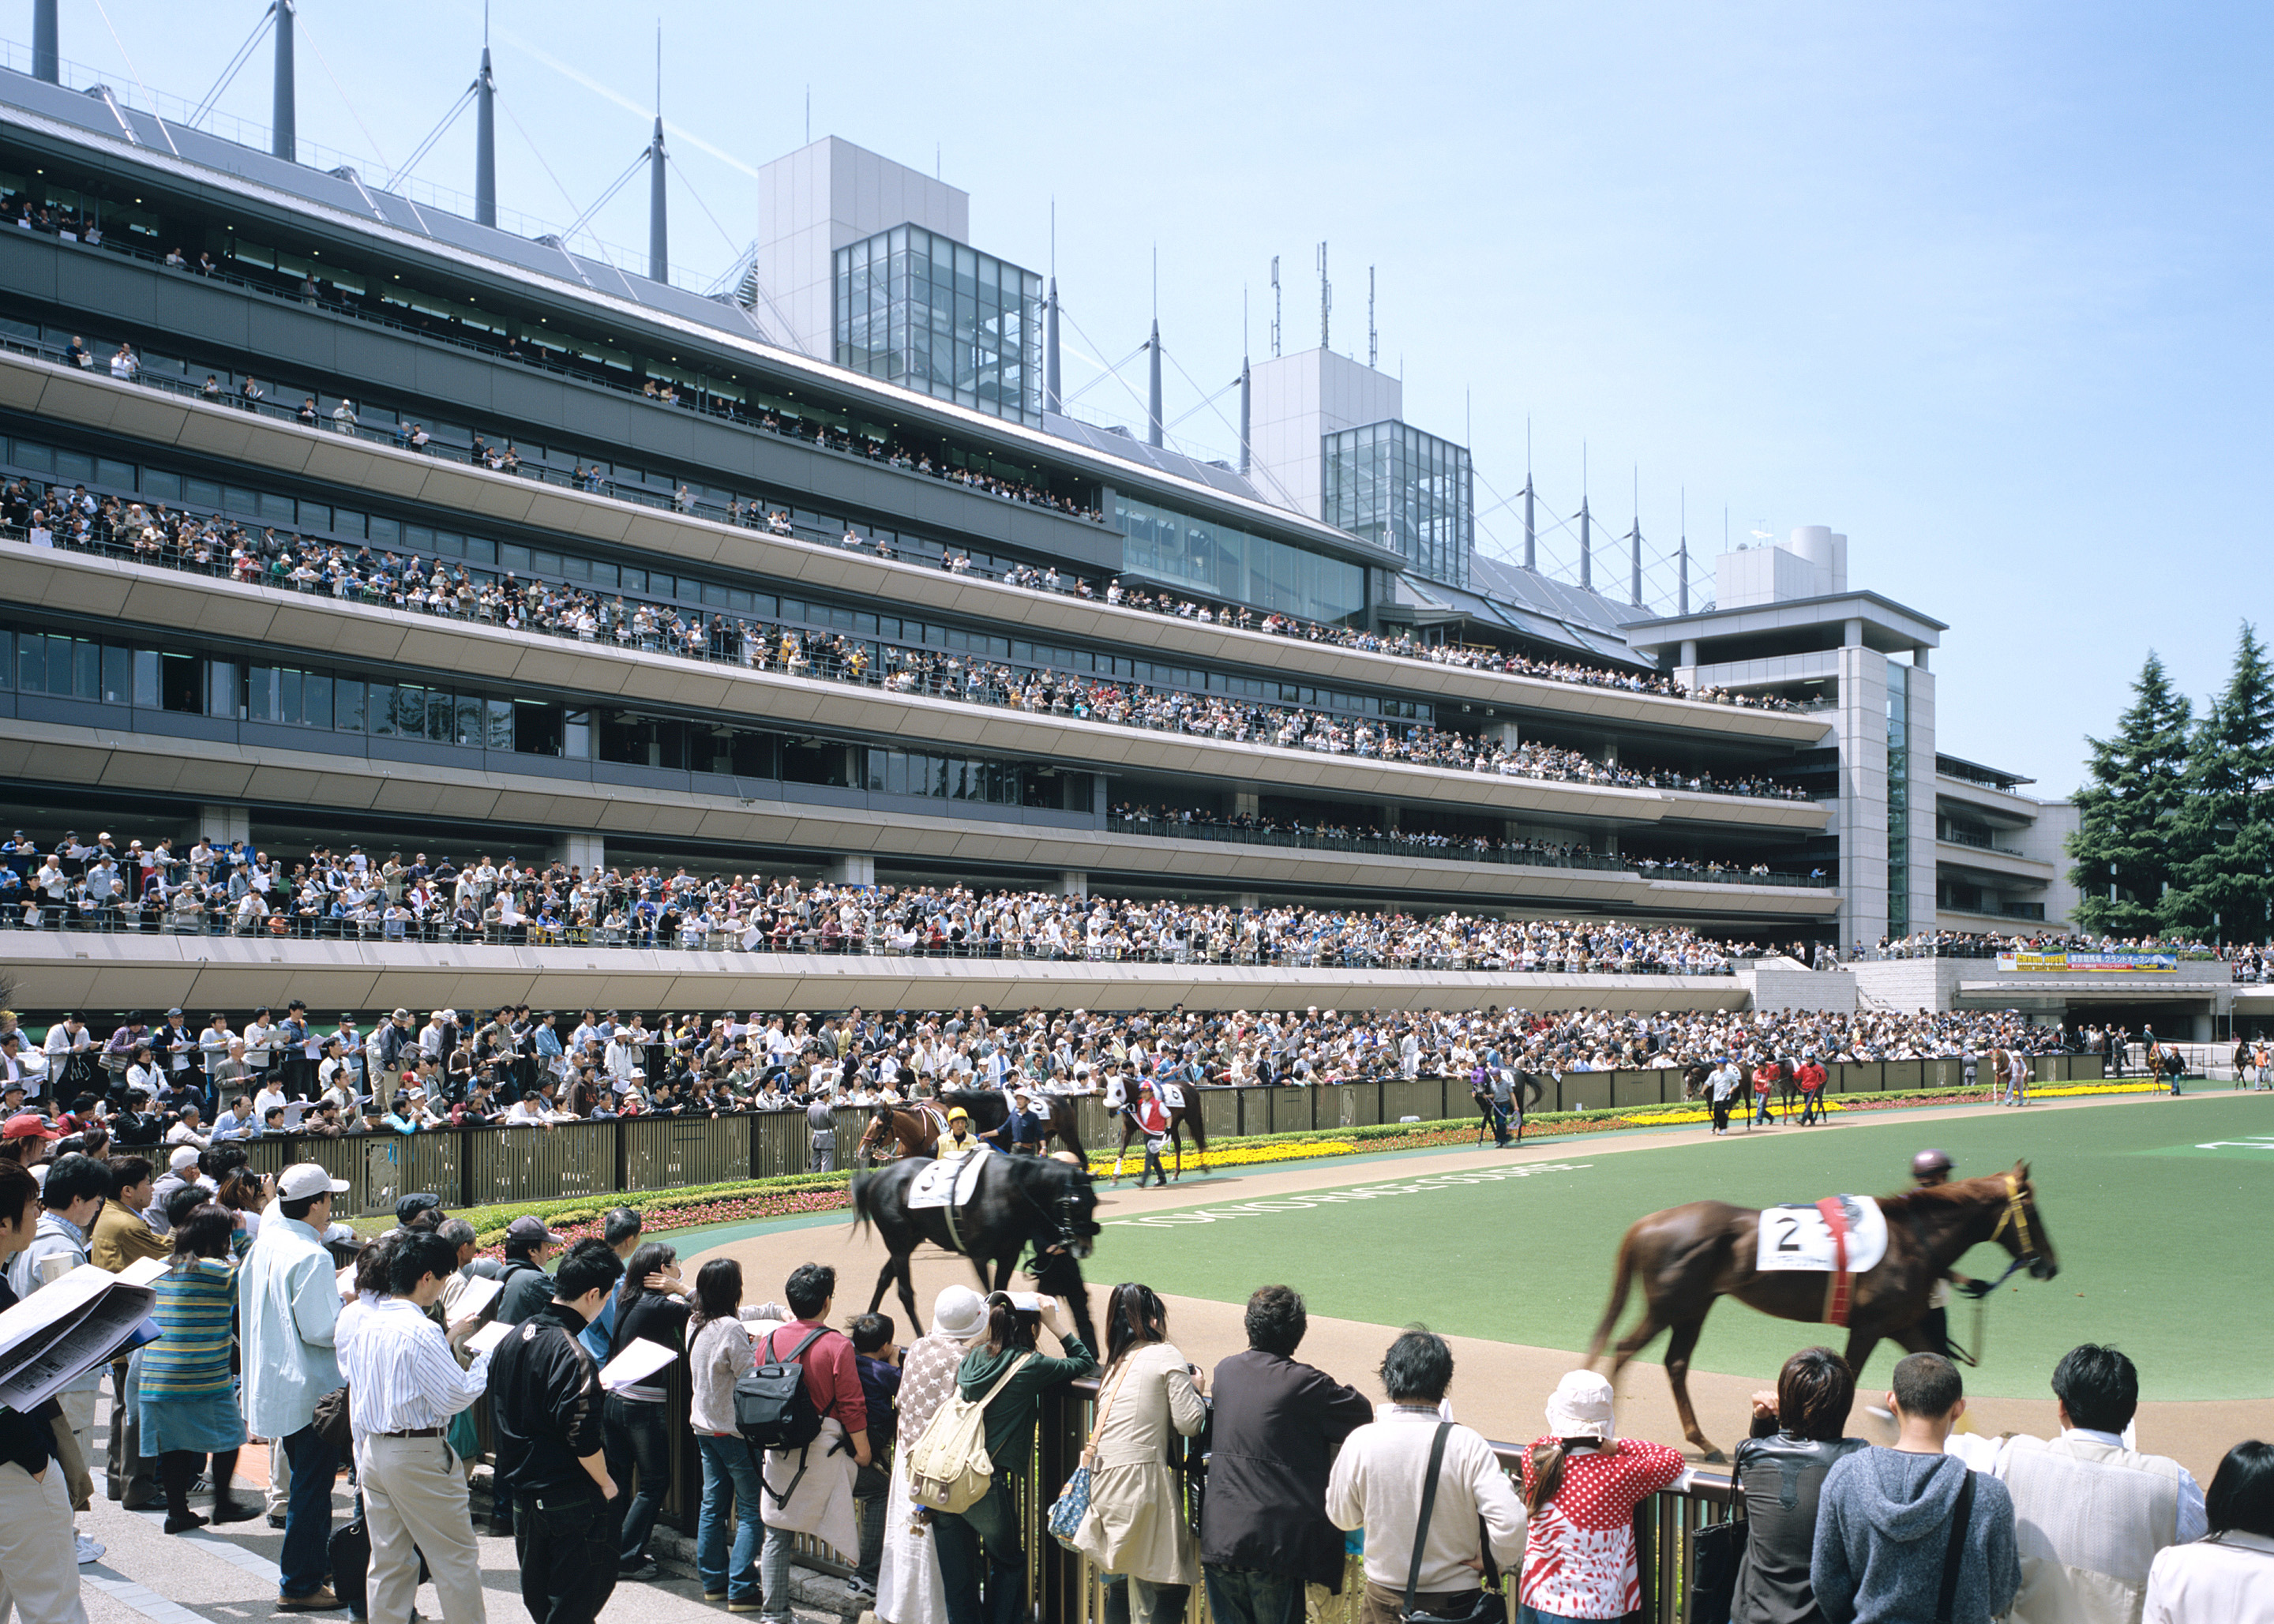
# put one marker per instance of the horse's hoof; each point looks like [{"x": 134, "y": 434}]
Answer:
[{"x": 1713, "y": 1457}]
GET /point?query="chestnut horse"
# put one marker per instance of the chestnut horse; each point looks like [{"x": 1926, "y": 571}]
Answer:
[
  {"x": 1687, "y": 1256},
  {"x": 915, "y": 1129}
]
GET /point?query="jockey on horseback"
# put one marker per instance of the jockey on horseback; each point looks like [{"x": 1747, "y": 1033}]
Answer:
[
  {"x": 957, "y": 1141},
  {"x": 1928, "y": 1169}
]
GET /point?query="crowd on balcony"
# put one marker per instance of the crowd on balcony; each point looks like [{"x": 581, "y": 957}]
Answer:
[
  {"x": 1992, "y": 945},
  {"x": 208, "y": 888},
  {"x": 151, "y": 532},
  {"x": 1502, "y": 661},
  {"x": 502, "y": 457},
  {"x": 1207, "y": 823}
]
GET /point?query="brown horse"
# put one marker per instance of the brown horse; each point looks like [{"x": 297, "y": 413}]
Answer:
[
  {"x": 915, "y": 1129},
  {"x": 1687, "y": 1256}
]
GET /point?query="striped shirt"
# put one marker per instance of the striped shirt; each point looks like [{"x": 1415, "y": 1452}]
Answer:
[
  {"x": 402, "y": 1376},
  {"x": 196, "y": 1310}
]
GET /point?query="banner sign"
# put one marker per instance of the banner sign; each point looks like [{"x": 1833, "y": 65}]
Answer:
[{"x": 2136, "y": 964}]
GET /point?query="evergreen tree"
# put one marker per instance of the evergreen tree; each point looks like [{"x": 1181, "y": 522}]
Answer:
[
  {"x": 2129, "y": 804},
  {"x": 2222, "y": 869}
]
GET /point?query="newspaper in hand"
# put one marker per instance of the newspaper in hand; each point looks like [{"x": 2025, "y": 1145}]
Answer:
[
  {"x": 66, "y": 1328},
  {"x": 640, "y": 1359}
]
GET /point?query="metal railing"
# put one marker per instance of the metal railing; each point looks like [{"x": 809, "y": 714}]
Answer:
[
  {"x": 751, "y": 517},
  {"x": 754, "y": 644},
  {"x": 1452, "y": 849}
]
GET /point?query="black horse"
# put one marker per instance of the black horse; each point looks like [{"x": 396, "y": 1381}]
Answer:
[{"x": 1019, "y": 1201}]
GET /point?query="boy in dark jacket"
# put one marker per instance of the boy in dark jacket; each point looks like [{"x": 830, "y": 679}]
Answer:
[
  {"x": 877, "y": 1357},
  {"x": 1264, "y": 1532}
]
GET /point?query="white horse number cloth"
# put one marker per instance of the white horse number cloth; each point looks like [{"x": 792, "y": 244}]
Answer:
[
  {"x": 1799, "y": 1238},
  {"x": 946, "y": 1184}
]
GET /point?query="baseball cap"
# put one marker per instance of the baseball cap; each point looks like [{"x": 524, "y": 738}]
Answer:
[
  {"x": 184, "y": 1157},
  {"x": 411, "y": 1205},
  {"x": 533, "y": 1231},
  {"x": 305, "y": 1179},
  {"x": 28, "y": 1125}
]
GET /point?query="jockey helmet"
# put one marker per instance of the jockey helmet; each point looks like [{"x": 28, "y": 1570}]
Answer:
[
  {"x": 1930, "y": 1167},
  {"x": 959, "y": 1115}
]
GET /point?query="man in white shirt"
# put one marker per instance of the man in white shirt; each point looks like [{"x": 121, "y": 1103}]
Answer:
[
  {"x": 2090, "y": 1513},
  {"x": 1374, "y": 1481},
  {"x": 288, "y": 1306},
  {"x": 404, "y": 1384}
]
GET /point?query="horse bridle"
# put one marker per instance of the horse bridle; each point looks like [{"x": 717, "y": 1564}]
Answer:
[{"x": 2017, "y": 1215}]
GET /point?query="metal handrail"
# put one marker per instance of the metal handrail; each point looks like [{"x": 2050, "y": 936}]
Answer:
[{"x": 743, "y": 643}]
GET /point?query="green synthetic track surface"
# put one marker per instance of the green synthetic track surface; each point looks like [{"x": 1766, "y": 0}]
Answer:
[{"x": 2164, "y": 1247}]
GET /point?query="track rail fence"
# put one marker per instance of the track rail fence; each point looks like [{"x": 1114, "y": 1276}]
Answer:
[{"x": 488, "y": 1167}]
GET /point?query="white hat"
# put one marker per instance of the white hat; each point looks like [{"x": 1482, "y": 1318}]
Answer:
[
  {"x": 304, "y": 1179},
  {"x": 184, "y": 1156},
  {"x": 959, "y": 1311},
  {"x": 1580, "y": 1406}
]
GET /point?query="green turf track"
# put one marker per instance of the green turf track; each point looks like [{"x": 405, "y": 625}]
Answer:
[{"x": 2163, "y": 1248}]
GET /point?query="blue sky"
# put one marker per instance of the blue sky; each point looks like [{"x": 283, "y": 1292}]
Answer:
[{"x": 1983, "y": 287}]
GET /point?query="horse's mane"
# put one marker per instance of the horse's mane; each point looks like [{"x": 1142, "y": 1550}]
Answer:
[{"x": 1958, "y": 1193}]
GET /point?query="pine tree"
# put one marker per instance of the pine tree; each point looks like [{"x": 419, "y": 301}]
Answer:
[
  {"x": 2127, "y": 807},
  {"x": 2223, "y": 839}
]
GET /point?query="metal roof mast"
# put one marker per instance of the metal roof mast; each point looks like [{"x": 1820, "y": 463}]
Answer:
[
  {"x": 283, "y": 140},
  {"x": 46, "y": 56}
]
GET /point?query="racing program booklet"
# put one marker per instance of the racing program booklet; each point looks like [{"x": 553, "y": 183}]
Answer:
[{"x": 66, "y": 1328}]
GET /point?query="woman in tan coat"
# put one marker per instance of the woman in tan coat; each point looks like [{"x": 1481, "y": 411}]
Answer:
[{"x": 1135, "y": 1530}]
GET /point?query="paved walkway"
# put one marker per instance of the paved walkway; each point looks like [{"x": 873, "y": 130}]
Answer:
[{"x": 148, "y": 1577}]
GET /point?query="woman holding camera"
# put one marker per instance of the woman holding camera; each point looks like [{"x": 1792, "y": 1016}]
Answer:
[
  {"x": 1135, "y": 1530},
  {"x": 1013, "y": 1321}
]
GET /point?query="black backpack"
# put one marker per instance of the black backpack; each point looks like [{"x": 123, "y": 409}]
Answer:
[{"x": 772, "y": 1406}]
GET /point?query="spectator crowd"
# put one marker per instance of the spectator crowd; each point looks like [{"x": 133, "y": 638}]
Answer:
[
  {"x": 192, "y": 1082},
  {"x": 233, "y": 887},
  {"x": 151, "y": 532}
]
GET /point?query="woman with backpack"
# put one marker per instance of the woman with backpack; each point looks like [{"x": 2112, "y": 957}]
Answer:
[
  {"x": 718, "y": 1357},
  {"x": 650, "y": 1306},
  {"x": 1581, "y": 1485},
  {"x": 1006, "y": 1372},
  {"x": 909, "y": 1590},
  {"x": 1135, "y": 1531}
]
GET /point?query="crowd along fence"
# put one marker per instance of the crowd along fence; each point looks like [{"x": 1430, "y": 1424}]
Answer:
[
  {"x": 1063, "y": 1587},
  {"x": 485, "y": 1167}
]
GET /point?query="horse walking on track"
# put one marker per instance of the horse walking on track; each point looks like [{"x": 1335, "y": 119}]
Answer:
[
  {"x": 1019, "y": 1201},
  {"x": 1180, "y": 1103},
  {"x": 916, "y": 1128},
  {"x": 1685, "y": 1256}
]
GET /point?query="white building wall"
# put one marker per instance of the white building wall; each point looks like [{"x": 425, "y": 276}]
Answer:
[
  {"x": 1921, "y": 736},
  {"x": 2047, "y": 839},
  {"x": 1861, "y": 726},
  {"x": 1296, "y": 399},
  {"x": 813, "y": 202}
]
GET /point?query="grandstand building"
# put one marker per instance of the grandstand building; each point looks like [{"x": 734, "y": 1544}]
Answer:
[{"x": 398, "y": 530}]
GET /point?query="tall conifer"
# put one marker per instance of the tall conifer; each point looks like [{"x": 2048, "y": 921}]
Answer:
[{"x": 2128, "y": 808}]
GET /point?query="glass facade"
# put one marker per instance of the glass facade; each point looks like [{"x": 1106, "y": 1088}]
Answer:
[
  {"x": 1899, "y": 800},
  {"x": 1406, "y": 491},
  {"x": 1220, "y": 562},
  {"x": 931, "y": 314}
]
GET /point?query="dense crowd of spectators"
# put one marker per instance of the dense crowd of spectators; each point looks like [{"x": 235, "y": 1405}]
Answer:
[
  {"x": 1207, "y": 823},
  {"x": 1990, "y": 945},
  {"x": 206, "y": 888},
  {"x": 152, "y": 533},
  {"x": 180, "y": 1078}
]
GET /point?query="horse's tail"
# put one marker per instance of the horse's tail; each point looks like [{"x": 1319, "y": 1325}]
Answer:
[
  {"x": 864, "y": 1201},
  {"x": 1621, "y": 1282}
]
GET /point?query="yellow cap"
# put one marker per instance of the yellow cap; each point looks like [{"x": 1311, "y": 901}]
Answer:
[{"x": 959, "y": 1115}]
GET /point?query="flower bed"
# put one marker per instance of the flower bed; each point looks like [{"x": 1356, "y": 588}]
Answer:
[{"x": 1239, "y": 1153}]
